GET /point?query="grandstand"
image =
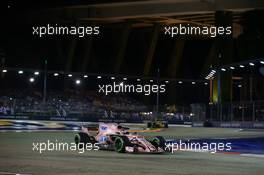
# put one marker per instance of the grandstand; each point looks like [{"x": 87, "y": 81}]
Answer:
[{"x": 86, "y": 106}]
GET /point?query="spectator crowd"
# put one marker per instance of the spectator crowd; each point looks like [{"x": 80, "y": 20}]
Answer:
[{"x": 72, "y": 103}]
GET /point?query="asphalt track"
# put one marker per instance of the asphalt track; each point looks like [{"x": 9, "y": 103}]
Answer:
[{"x": 17, "y": 156}]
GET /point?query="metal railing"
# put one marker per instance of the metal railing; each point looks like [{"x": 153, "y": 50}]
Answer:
[{"x": 229, "y": 112}]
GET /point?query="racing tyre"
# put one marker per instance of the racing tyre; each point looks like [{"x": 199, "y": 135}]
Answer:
[
  {"x": 120, "y": 144},
  {"x": 83, "y": 138},
  {"x": 158, "y": 141}
]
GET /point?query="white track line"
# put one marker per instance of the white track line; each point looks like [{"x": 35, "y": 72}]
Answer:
[
  {"x": 9, "y": 173},
  {"x": 253, "y": 155}
]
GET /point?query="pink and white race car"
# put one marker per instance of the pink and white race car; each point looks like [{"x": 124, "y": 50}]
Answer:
[{"x": 112, "y": 136}]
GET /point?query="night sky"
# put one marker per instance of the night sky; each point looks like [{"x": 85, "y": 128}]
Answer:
[{"x": 23, "y": 50}]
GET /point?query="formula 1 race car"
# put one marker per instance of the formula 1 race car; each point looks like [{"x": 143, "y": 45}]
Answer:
[
  {"x": 158, "y": 124},
  {"x": 112, "y": 136}
]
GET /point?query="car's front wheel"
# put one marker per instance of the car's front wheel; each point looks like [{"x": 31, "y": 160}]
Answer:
[
  {"x": 120, "y": 144},
  {"x": 158, "y": 141}
]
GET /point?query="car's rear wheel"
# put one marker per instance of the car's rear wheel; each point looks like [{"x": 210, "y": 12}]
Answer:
[
  {"x": 83, "y": 138},
  {"x": 120, "y": 144},
  {"x": 158, "y": 141}
]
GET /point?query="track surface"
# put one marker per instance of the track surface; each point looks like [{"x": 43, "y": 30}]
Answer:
[{"x": 16, "y": 156}]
